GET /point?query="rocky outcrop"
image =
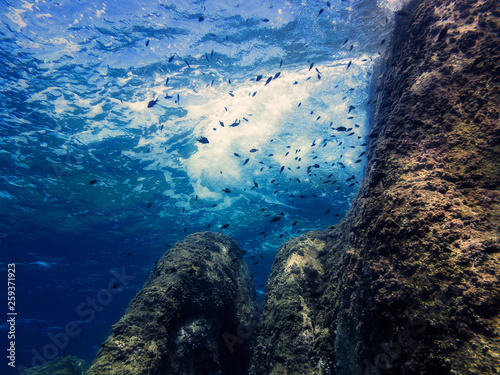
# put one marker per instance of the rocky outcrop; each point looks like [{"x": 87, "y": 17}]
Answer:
[
  {"x": 194, "y": 315},
  {"x": 408, "y": 282},
  {"x": 67, "y": 365}
]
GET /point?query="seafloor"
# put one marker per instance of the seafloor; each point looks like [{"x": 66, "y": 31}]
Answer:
[{"x": 407, "y": 283}]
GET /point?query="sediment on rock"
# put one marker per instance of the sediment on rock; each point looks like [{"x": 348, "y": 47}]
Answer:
[
  {"x": 409, "y": 280},
  {"x": 194, "y": 314},
  {"x": 67, "y": 365}
]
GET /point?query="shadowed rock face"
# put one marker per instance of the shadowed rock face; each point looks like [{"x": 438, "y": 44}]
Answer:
[
  {"x": 408, "y": 282},
  {"x": 194, "y": 314}
]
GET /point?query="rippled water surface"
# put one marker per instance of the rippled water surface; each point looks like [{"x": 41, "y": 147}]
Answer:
[{"x": 127, "y": 125}]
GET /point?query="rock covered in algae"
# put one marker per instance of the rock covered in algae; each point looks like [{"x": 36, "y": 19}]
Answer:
[
  {"x": 67, "y": 365},
  {"x": 409, "y": 283},
  {"x": 194, "y": 314}
]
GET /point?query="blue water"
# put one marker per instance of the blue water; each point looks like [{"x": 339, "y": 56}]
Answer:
[{"x": 76, "y": 81}]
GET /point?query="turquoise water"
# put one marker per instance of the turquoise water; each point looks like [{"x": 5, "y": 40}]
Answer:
[{"x": 93, "y": 179}]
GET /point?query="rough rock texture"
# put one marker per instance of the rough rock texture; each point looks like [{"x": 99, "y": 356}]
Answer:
[
  {"x": 194, "y": 315},
  {"x": 67, "y": 365},
  {"x": 408, "y": 282}
]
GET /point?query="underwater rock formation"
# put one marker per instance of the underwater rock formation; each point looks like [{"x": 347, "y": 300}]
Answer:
[
  {"x": 194, "y": 315},
  {"x": 408, "y": 282},
  {"x": 67, "y": 365}
]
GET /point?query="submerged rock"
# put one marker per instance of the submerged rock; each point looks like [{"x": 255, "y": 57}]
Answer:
[
  {"x": 67, "y": 365},
  {"x": 408, "y": 282},
  {"x": 194, "y": 315}
]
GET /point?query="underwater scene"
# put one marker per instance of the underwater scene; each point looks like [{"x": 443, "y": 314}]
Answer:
[{"x": 128, "y": 125}]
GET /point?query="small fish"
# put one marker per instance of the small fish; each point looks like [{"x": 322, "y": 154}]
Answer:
[
  {"x": 328, "y": 4},
  {"x": 212, "y": 53},
  {"x": 341, "y": 129},
  {"x": 349, "y": 64},
  {"x": 168, "y": 97},
  {"x": 166, "y": 83},
  {"x": 92, "y": 182},
  {"x": 152, "y": 103},
  {"x": 224, "y": 226},
  {"x": 299, "y": 105},
  {"x": 230, "y": 93},
  {"x": 246, "y": 161},
  {"x": 311, "y": 66},
  {"x": 269, "y": 80},
  {"x": 258, "y": 78},
  {"x": 189, "y": 66},
  {"x": 327, "y": 212},
  {"x": 255, "y": 263},
  {"x": 237, "y": 155},
  {"x": 202, "y": 140},
  {"x": 255, "y": 184},
  {"x": 277, "y": 75},
  {"x": 281, "y": 63},
  {"x": 178, "y": 99},
  {"x": 226, "y": 190},
  {"x": 149, "y": 206},
  {"x": 171, "y": 59},
  {"x": 200, "y": 19},
  {"x": 254, "y": 94},
  {"x": 352, "y": 46},
  {"x": 128, "y": 255},
  {"x": 364, "y": 152},
  {"x": 351, "y": 107},
  {"x": 382, "y": 41},
  {"x": 281, "y": 170},
  {"x": 321, "y": 11},
  {"x": 401, "y": 13},
  {"x": 147, "y": 43},
  {"x": 114, "y": 286},
  {"x": 221, "y": 123},
  {"x": 345, "y": 41},
  {"x": 275, "y": 219},
  {"x": 254, "y": 150},
  {"x": 234, "y": 124},
  {"x": 265, "y": 20},
  {"x": 319, "y": 77},
  {"x": 213, "y": 205}
]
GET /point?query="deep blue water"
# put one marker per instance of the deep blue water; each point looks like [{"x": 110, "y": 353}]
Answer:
[{"x": 77, "y": 77}]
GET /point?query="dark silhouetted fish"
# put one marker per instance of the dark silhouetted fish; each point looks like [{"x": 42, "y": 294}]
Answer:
[
  {"x": 275, "y": 219},
  {"x": 224, "y": 226},
  {"x": 349, "y": 64},
  {"x": 321, "y": 11},
  {"x": 226, "y": 190},
  {"x": 311, "y": 66},
  {"x": 341, "y": 129},
  {"x": 168, "y": 97},
  {"x": 352, "y": 46},
  {"x": 401, "y": 13},
  {"x": 246, "y": 161},
  {"x": 178, "y": 99},
  {"x": 382, "y": 41},
  {"x": 265, "y": 20},
  {"x": 152, "y": 103},
  {"x": 189, "y": 66},
  {"x": 235, "y": 154},
  {"x": 281, "y": 63},
  {"x": 234, "y": 124},
  {"x": 200, "y": 19},
  {"x": 230, "y": 93},
  {"x": 281, "y": 170},
  {"x": 351, "y": 107},
  {"x": 327, "y": 212},
  {"x": 254, "y": 150},
  {"x": 255, "y": 263},
  {"x": 203, "y": 140},
  {"x": 92, "y": 182},
  {"x": 128, "y": 255},
  {"x": 345, "y": 41},
  {"x": 171, "y": 59},
  {"x": 149, "y": 206},
  {"x": 221, "y": 123},
  {"x": 277, "y": 75},
  {"x": 328, "y": 4},
  {"x": 269, "y": 80},
  {"x": 258, "y": 78}
]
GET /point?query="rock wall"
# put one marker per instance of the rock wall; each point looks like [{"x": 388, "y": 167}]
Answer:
[
  {"x": 408, "y": 282},
  {"x": 194, "y": 315}
]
